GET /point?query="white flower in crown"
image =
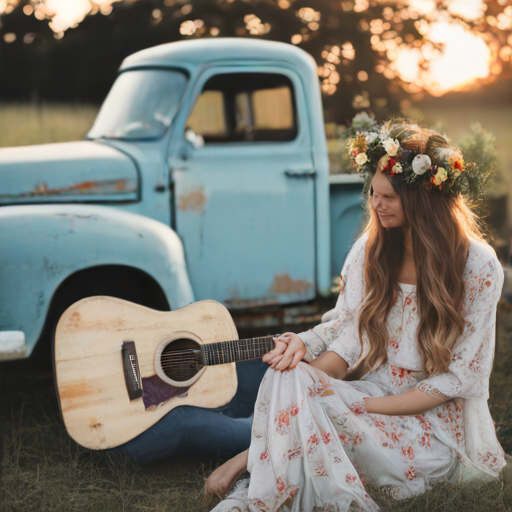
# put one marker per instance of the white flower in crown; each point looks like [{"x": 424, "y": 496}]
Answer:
[
  {"x": 361, "y": 159},
  {"x": 421, "y": 164},
  {"x": 397, "y": 168},
  {"x": 383, "y": 132},
  {"x": 446, "y": 153},
  {"x": 371, "y": 137},
  {"x": 391, "y": 146}
]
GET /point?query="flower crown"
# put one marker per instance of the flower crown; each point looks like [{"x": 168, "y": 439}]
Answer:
[{"x": 426, "y": 162}]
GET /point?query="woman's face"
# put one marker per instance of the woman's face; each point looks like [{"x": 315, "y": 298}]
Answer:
[{"x": 386, "y": 202}]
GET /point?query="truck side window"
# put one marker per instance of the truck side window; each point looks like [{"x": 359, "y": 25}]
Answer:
[
  {"x": 208, "y": 118},
  {"x": 245, "y": 107}
]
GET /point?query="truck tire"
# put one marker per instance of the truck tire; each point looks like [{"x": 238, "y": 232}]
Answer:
[{"x": 118, "y": 281}]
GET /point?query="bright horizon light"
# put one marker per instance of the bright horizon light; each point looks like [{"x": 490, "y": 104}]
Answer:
[{"x": 465, "y": 58}]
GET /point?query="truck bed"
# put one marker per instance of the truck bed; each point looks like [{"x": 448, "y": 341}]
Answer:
[{"x": 345, "y": 213}]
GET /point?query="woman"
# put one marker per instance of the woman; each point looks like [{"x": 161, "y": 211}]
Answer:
[{"x": 417, "y": 310}]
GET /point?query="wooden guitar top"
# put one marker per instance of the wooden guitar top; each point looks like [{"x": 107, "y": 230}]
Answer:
[{"x": 89, "y": 373}]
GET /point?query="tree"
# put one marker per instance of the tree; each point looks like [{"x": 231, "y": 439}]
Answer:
[{"x": 354, "y": 42}]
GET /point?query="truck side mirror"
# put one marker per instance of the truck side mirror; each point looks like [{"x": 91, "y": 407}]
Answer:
[{"x": 196, "y": 140}]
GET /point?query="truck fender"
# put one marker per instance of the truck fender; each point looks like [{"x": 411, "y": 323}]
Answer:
[{"x": 43, "y": 245}]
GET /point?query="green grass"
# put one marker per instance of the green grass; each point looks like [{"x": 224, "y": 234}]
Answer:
[{"x": 23, "y": 124}]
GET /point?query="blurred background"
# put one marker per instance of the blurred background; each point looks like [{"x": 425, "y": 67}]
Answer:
[{"x": 445, "y": 63}]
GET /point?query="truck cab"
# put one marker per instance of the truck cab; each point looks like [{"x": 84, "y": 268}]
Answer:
[{"x": 213, "y": 154}]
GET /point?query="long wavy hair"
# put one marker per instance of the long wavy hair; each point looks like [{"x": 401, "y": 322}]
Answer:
[{"x": 441, "y": 227}]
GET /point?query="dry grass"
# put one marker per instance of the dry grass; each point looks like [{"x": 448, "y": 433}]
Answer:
[
  {"x": 24, "y": 124},
  {"x": 42, "y": 469}
]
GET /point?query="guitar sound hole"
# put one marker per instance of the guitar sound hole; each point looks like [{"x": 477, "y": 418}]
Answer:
[{"x": 181, "y": 359}]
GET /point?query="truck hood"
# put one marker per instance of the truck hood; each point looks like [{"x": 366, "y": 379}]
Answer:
[{"x": 84, "y": 172}]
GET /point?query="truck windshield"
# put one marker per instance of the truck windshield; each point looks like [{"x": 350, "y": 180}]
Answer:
[{"x": 141, "y": 105}]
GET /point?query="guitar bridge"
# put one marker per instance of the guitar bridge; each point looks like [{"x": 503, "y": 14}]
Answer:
[{"x": 131, "y": 370}]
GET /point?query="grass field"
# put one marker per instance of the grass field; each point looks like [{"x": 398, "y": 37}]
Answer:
[
  {"x": 43, "y": 470},
  {"x": 24, "y": 124}
]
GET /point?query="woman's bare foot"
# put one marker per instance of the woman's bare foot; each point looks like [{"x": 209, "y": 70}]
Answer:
[{"x": 223, "y": 478}]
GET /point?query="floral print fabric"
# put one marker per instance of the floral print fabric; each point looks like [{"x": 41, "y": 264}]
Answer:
[
  {"x": 467, "y": 380},
  {"x": 310, "y": 452}
]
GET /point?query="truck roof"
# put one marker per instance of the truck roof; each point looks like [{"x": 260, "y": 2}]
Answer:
[{"x": 193, "y": 53}]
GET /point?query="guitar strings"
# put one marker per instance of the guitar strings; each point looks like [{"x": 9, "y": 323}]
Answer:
[
  {"x": 191, "y": 356},
  {"x": 185, "y": 353},
  {"x": 221, "y": 352},
  {"x": 227, "y": 350},
  {"x": 186, "y": 356},
  {"x": 212, "y": 348},
  {"x": 171, "y": 359}
]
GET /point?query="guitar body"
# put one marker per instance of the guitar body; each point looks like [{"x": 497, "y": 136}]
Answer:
[{"x": 90, "y": 371}]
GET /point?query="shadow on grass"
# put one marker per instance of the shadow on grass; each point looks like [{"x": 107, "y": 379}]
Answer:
[{"x": 44, "y": 470}]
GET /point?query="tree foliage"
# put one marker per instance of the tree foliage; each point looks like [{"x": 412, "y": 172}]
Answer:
[{"x": 354, "y": 43}]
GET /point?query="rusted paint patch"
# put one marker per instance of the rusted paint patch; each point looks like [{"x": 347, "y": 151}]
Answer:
[
  {"x": 284, "y": 284},
  {"x": 84, "y": 188},
  {"x": 283, "y": 315},
  {"x": 193, "y": 200},
  {"x": 237, "y": 303}
]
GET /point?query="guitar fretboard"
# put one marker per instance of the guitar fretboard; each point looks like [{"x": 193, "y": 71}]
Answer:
[{"x": 236, "y": 350}]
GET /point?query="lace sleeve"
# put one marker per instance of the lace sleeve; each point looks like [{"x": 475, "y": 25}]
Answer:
[
  {"x": 473, "y": 353},
  {"x": 340, "y": 333},
  {"x": 430, "y": 390}
]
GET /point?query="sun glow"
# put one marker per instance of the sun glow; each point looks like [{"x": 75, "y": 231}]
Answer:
[
  {"x": 66, "y": 14},
  {"x": 465, "y": 58},
  {"x": 63, "y": 14}
]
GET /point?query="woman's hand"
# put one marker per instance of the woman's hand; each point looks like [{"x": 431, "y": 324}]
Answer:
[{"x": 290, "y": 349}]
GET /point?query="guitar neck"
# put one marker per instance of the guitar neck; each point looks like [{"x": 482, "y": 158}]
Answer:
[{"x": 236, "y": 350}]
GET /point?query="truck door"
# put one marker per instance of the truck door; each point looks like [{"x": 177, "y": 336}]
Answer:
[{"x": 244, "y": 188}]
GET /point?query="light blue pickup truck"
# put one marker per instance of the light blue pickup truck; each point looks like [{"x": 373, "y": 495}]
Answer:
[{"x": 204, "y": 176}]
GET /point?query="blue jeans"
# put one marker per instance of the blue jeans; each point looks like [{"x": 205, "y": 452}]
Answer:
[{"x": 206, "y": 433}]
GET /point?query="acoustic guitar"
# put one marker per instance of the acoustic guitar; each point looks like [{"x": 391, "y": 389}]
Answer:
[{"x": 121, "y": 367}]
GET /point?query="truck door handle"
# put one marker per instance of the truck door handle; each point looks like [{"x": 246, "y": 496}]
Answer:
[{"x": 300, "y": 174}]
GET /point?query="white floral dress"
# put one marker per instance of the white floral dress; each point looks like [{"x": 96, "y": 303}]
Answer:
[{"x": 310, "y": 452}]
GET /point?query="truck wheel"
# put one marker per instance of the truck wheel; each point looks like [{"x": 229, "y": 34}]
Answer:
[{"x": 115, "y": 281}]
